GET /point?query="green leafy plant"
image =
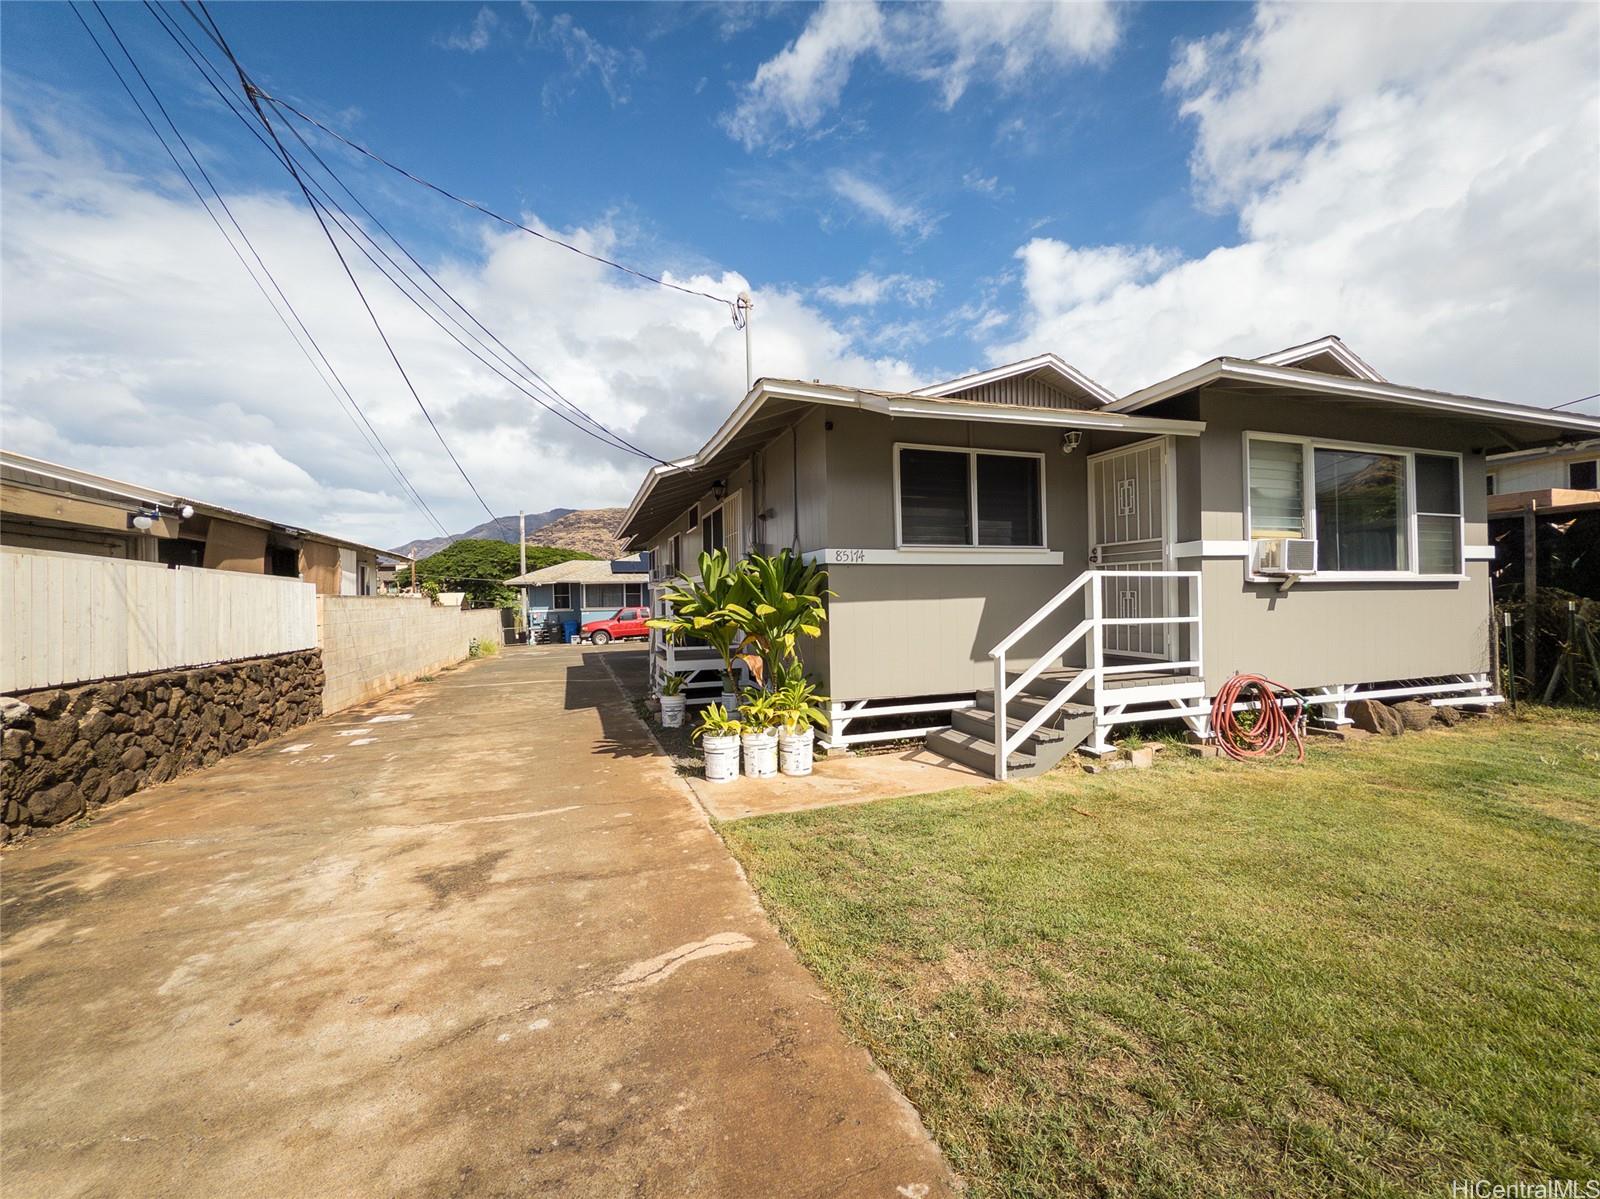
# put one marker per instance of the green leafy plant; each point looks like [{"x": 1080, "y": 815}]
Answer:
[
  {"x": 479, "y": 567},
  {"x": 758, "y": 710},
  {"x": 785, "y": 599},
  {"x": 715, "y": 722},
  {"x": 672, "y": 684},
  {"x": 707, "y": 609},
  {"x": 799, "y": 705}
]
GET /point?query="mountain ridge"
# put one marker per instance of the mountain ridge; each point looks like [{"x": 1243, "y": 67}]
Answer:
[
  {"x": 501, "y": 528},
  {"x": 585, "y": 529}
]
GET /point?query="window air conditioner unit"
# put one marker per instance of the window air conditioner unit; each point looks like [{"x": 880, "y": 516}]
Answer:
[{"x": 1284, "y": 557}]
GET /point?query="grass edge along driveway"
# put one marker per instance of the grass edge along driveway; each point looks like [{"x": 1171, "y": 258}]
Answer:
[{"x": 1369, "y": 975}]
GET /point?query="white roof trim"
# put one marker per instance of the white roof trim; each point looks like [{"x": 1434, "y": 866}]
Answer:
[
  {"x": 1040, "y": 362},
  {"x": 913, "y": 405},
  {"x": 1245, "y": 371},
  {"x": 1330, "y": 345}
]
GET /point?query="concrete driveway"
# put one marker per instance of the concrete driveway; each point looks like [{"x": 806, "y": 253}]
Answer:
[{"x": 472, "y": 939}]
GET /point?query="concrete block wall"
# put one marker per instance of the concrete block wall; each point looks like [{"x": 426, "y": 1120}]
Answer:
[{"x": 373, "y": 644}]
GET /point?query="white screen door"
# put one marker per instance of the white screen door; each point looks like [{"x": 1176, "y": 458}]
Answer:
[{"x": 1129, "y": 530}]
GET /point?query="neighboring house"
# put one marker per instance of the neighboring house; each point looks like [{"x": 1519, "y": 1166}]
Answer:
[
  {"x": 1102, "y": 561},
  {"x": 582, "y": 590},
  {"x": 45, "y": 506},
  {"x": 1558, "y": 477}
]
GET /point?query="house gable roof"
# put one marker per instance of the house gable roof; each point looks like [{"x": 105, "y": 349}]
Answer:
[
  {"x": 1328, "y": 355},
  {"x": 1048, "y": 369},
  {"x": 1512, "y": 426}
]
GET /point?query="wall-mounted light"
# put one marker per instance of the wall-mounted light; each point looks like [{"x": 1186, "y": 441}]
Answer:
[
  {"x": 719, "y": 489},
  {"x": 1070, "y": 440},
  {"x": 143, "y": 521},
  {"x": 186, "y": 512}
]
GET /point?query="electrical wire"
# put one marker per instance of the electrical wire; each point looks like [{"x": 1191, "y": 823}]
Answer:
[
  {"x": 1570, "y": 403},
  {"x": 266, "y": 122},
  {"x": 606, "y": 435},
  {"x": 369, "y": 435},
  {"x": 732, "y": 305}
]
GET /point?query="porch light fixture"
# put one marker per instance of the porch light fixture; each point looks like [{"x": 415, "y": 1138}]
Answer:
[
  {"x": 1070, "y": 440},
  {"x": 719, "y": 489},
  {"x": 144, "y": 521}
]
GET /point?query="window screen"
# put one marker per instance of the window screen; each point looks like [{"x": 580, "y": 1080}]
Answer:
[
  {"x": 1581, "y": 475},
  {"x": 1277, "y": 489},
  {"x": 935, "y": 500},
  {"x": 1008, "y": 500},
  {"x": 1361, "y": 510},
  {"x": 711, "y": 532}
]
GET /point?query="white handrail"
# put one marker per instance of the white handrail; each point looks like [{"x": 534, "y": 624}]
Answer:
[{"x": 1094, "y": 622}]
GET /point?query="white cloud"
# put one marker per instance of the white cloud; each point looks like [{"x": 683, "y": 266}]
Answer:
[
  {"x": 475, "y": 37},
  {"x": 947, "y": 44},
  {"x": 868, "y": 289},
  {"x": 1420, "y": 179},
  {"x": 985, "y": 185},
  {"x": 876, "y": 202},
  {"x": 143, "y": 352},
  {"x": 585, "y": 55}
]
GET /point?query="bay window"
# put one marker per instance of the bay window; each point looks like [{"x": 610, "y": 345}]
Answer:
[
  {"x": 969, "y": 498},
  {"x": 1372, "y": 510}
]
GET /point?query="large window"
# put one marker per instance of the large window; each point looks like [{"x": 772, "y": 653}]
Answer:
[
  {"x": 561, "y": 596},
  {"x": 1372, "y": 510},
  {"x": 1581, "y": 475},
  {"x": 950, "y": 497}
]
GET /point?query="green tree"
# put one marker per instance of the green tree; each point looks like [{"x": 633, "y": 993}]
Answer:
[{"x": 480, "y": 567}]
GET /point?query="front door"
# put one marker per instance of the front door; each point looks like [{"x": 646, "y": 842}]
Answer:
[{"x": 1130, "y": 529}]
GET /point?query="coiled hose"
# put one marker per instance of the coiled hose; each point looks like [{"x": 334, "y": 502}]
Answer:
[{"x": 1274, "y": 727}]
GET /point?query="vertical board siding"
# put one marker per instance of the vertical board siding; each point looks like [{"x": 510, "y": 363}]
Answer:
[
  {"x": 70, "y": 618},
  {"x": 1027, "y": 392}
]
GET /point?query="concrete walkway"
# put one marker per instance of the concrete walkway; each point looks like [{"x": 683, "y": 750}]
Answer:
[{"x": 472, "y": 939}]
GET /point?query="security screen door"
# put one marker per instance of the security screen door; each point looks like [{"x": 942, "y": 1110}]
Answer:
[{"x": 1128, "y": 530}]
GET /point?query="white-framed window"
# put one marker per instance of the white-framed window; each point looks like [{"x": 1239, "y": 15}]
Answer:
[
  {"x": 1375, "y": 511},
  {"x": 947, "y": 496},
  {"x": 719, "y": 528},
  {"x": 1581, "y": 475},
  {"x": 561, "y": 596}
]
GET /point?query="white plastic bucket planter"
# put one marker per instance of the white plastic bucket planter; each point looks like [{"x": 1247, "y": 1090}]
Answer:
[
  {"x": 760, "y": 754},
  {"x": 672, "y": 707},
  {"x": 795, "y": 752},
  {"x": 722, "y": 758}
]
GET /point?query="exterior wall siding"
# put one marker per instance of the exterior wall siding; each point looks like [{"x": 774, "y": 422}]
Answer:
[
  {"x": 1322, "y": 633},
  {"x": 898, "y": 630},
  {"x": 1029, "y": 393}
]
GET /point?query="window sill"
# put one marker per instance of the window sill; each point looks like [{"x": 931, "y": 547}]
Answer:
[
  {"x": 937, "y": 555},
  {"x": 1357, "y": 577}
]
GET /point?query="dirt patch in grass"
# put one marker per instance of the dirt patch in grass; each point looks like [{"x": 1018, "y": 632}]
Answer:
[{"x": 1369, "y": 975}]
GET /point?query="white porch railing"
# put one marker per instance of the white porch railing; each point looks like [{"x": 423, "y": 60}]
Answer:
[{"x": 1091, "y": 632}]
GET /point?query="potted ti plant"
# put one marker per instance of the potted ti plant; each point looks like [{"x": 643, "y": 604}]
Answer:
[
  {"x": 718, "y": 734},
  {"x": 758, "y": 719},
  {"x": 800, "y": 714},
  {"x": 673, "y": 702}
]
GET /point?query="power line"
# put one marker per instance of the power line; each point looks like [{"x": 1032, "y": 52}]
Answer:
[
  {"x": 266, "y": 122},
  {"x": 606, "y": 435},
  {"x": 731, "y": 305},
  {"x": 406, "y": 489},
  {"x": 1570, "y": 403}
]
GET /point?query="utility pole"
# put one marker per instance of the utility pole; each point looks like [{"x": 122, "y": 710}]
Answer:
[
  {"x": 522, "y": 542},
  {"x": 742, "y": 307}
]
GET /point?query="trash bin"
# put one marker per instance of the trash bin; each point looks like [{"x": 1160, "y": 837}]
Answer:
[{"x": 569, "y": 631}]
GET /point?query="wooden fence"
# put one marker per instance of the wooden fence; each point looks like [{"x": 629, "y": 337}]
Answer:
[{"x": 68, "y": 618}]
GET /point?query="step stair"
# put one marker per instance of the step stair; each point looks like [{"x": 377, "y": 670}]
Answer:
[{"x": 969, "y": 739}]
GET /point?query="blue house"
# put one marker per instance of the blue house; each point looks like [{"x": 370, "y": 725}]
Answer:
[{"x": 581, "y": 591}]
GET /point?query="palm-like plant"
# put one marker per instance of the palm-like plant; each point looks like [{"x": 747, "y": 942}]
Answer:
[
  {"x": 783, "y": 598},
  {"x": 799, "y": 705},
  {"x": 708, "y": 608}
]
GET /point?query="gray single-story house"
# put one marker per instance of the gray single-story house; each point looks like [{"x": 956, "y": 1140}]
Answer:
[
  {"x": 582, "y": 590},
  {"x": 1031, "y": 560}
]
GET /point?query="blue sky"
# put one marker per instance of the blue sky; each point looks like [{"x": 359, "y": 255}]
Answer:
[{"x": 910, "y": 193}]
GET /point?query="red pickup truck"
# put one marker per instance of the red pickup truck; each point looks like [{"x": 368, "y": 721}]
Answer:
[{"x": 625, "y": 622}]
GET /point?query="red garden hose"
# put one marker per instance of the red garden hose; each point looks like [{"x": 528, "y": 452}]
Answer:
[{"x": 1274, "y": 728}]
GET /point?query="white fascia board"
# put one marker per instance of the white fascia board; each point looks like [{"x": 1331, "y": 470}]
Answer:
[
  {"x": 1062, "y": 418},
  {"x": 1331, "y": 345},
  {"x": 83, "y": 478},
  {"x": 1577, "y": 448},
  {"x": 1013, "y": 369},
  {"x": 1359, "y": 389}
]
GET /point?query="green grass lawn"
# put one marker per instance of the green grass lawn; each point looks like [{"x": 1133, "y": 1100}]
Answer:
[{"x": 1368, "y": 975}]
